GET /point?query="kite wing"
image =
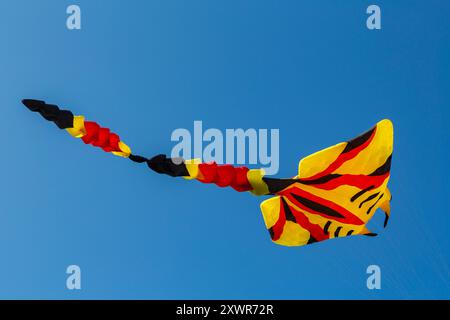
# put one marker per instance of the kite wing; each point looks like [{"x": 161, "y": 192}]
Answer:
[{"x": 336, "y": 192}]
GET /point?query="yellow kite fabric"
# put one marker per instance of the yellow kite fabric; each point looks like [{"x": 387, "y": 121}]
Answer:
[{"x": 335, "y": 193}]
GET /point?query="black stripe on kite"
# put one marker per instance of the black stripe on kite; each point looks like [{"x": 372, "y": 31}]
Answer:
[
  {"x": 287, "y": 211},
  {"x": 360, "y": 193},
  {"x": 325, "y": 228},
  {"x": 371, "y": 207},
  {"x": 350, "y": 233},
  {"x": 358, "y": 141},
  {"x": 311, "y": 240},
  {"x": 317, "y": 206},
  {"x": 62, "y": 118},
  {"x": 386, "y": 219},
  {"x": 321, "y": 180},
  {"x": 369, "y": 198},
  {"x": 385, "y": 168},
  {"x": 336, "y": 233}
]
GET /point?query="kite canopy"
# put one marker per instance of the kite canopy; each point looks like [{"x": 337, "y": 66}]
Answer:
[{"x": 334, "y": 194}]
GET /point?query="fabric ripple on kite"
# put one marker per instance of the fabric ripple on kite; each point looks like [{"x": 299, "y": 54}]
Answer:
[{"x": 334, "y": 194}]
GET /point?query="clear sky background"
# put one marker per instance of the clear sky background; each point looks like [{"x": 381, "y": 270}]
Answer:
[{"x": 144, "y": 68}]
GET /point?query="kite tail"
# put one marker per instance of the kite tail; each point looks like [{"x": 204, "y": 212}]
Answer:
[
  {"x": 335, "y": 193},
  {"x": 239, "y": 178}
]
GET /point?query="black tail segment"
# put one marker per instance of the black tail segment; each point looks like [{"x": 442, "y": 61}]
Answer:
[
  {"x": 384, "y": 169},
  {"x": 163, "y": 165},
  {"x": 62, "y": 118}
]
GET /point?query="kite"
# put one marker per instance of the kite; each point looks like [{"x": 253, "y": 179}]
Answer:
[{"x": 334, "y": 194}]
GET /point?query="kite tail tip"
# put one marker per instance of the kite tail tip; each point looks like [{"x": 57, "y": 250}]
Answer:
[{"x": 32, "y": 104}]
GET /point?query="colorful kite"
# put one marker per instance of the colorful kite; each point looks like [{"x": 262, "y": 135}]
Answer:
[{"x": 335, "y": 193}]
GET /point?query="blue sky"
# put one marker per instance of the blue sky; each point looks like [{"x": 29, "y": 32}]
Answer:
[{"x": 309, "y": 68}]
